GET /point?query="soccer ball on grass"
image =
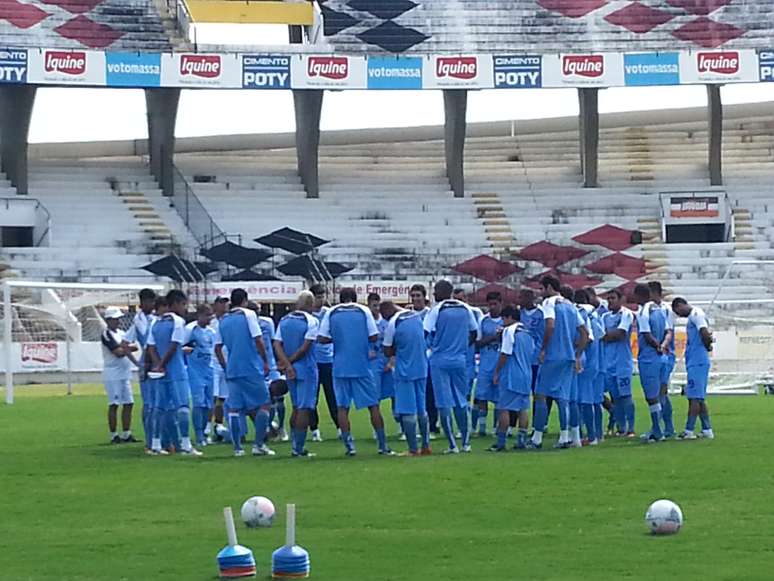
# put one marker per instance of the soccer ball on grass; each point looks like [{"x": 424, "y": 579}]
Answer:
[
  {"x": 664, "y": 517},
  {"x": 258, "y": 511}
]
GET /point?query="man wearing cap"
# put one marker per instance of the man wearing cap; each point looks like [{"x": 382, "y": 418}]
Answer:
[{"x": 117, "y": 377}]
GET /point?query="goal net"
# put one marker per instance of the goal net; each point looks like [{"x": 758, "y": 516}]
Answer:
[
  {"x": 51, "y": 331},
  {"x": 740, "y": 309}
]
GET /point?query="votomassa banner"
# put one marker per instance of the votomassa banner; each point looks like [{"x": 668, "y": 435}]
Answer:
[{"x": 133, "y": 69}]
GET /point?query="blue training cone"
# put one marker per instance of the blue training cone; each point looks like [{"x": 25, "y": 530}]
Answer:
[
  {"x": 234, "y": 560},
  {"x": 290, "y": 561}
]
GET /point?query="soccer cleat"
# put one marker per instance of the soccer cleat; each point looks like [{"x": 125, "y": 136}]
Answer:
[
  {"x": 209, "y": 440},
  {"x": 467, "y": 448},
  {"x": 402, "y": 437},
  {"x": 171, "y": 450},
  {"x": 192, "y": 452},
  {"x": 303, "y": 454},
  {"x": 593, "y": 443},
  {"x": 562, "y": 445},
  {"x": 531, "y": 445},
  {"x": 707, "y": 434},
  {"x": 283, "y": 435},
  {"x": 130, "y": 439},
  {"x": 433, "y": 435},
  {"x": 115, "y": 440},
  {"x": 451, "y": 451},
  {"x": 520, "y": 446},
  {"x": 495, "y": 448},
  {"x": 386, "y": 452},
  {"x": 263, "y": 450},
  {"x": 425, "y": 452},
  {"x": 148, "y": 452},
  {"x": 316, "y": 436},
  {"x": 159, "y": 453},
  {"x": 351, "y": 452},
  {"x": 458, "y": 435},
  {"x": 239, "y": 453},
  {"x": 409, "y": 454},
  {"x": 202, "y": 443},
  {"x": 688, "y": 435},
  {"x": 651, "y": 438},
  {"x": 631, "y": 435},
  {"x": 573, "y": 444}
]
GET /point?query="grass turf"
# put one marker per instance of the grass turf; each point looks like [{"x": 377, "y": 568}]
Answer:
[{"x": 74, "y": 507}]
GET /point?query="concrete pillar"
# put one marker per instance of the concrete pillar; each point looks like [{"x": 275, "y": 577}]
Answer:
[
  {"x": 16, "y": 103},
  {"x": 715, "y": 122},
  {"x": 455, "y": 102},
  {"x": 162, "y": 117},
  {"x": 589, "y": 136},
  {"x": 308, "y": 105}
]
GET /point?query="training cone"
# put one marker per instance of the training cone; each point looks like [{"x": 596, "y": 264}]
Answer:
[
  {"x": 290, "y": 561},
  {"x": 234, "y": 560}
]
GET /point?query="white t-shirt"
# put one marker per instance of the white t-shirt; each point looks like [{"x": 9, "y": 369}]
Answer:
[{"x": 115, "y": 368}]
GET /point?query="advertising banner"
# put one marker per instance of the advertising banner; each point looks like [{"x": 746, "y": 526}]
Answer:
[
  {"x": 132, "y": 69},
  {"x": 694, "y": 207},
  {"x": 583, "y": 70},
  {"x": 458, "y": 72},
  {"x": 518, "y": 71},
  {"x": 394, "y": 73},
  {"x": 328, "y": 72},
  {"x": 766, "y": 64},
  {"x": 269, "y": 291},
  {"x": 13, "y": 66},
  {"x": 202, "y": 71},
  {"x": 649, "y": 69},
  {"x": 388, "y": 290},
  {"x": 66, "y": 67},
  {"x": 265, "y": 71},
  {"x": 41, "y": 355},
  {"x": 723, "y": 66}
]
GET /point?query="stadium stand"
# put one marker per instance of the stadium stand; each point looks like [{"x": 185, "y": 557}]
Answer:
[{"x": 137, "y": 25}]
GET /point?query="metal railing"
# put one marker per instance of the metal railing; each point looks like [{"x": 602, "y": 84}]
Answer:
[{"x": 195, "y": 216}]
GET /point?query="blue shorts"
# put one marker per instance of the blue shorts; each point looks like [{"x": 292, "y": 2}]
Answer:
[
  {"x": 618, "y": 386},
  {"x": 361, "y": 391},
  {"x": 385, "y": 381},
  {"x": 171, "y": 394},
  {"x": 650, "y": 378},
  {"x": 587, "y": 387},
  {"x": 513, "y": 401},
  {"x": 698, "y": 378},
  {"x": 450, "y": 386},
  {"x": 246, "y": 393},
  {"x": 303, "y": 392},
  {"x": 410, "y": 397},
  {"x": 667, "y": 367},
  {"x": 146, "y": 393},
  {"x": 485, "y": 389},
  {"x": 201, "y": 392},
  {"x": 555, "y": 379},
  {"x": 599, "y": 387}
]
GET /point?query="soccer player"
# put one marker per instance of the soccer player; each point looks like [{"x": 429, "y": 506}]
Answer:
[
  {"x": 459, "y": 295},
  {"x": 668, "y": 357},
  {"x": 323, "y": 353},
  {"x": 200, "y": 346},
  {"x": 651, "y": 331},
  {"x": 418, "y": 297},
  {"x": 531, "y": 317},
  {"x": 268, "y": 330},
  {"x": 294, "y": 347},
  {"x": 117, "y": 377},
  {"x": 590, "y": 384},
  {"x": 220, "y": 388},
  {"x": 491, "y": 329},
  {"x": 404, "y": 339},
  {"x": 513, "y": 378},
  {"x": 600, "y": 305},
  {"x": 165, "y": 347},
  {"x": 351, "y": 328},
  {"x": 452, "y": 328},
  {"x": 617, "y": 353},
  {"x": 564, "y": 341},
  {"x": 568, "y": 294},
  {"x": 246, "y": 368},
  {"x": 381, "y": 365},
  {"x": 139, "y": 333},
  {"x": 697, "y": 364}
]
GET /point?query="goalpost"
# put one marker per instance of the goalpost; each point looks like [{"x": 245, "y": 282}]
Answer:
[{"x": 53, "y": 329}]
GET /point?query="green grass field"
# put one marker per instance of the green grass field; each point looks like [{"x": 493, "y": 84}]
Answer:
[{"x": 74, "y": 507}]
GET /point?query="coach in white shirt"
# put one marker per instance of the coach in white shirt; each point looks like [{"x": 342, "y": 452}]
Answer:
[{"x": 117, "y": 376}]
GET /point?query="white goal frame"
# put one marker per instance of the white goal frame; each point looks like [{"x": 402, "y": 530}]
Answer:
[{"x": 9, "y": 285}]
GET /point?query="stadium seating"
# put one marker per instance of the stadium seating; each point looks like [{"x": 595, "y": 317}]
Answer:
[{"x": 135, "y": 25}]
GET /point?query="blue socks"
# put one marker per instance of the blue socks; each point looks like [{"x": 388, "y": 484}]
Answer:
[
  {"x": 574, "y": 414},
  {"x": 461, "y": 415},
  {"x": 521, "y": 438},
  {"x": 409, "y": 424},
  {"x": 475, "y": 413},
  {"x": 349, "y": 443},
  {"x": 541, "y": 415},
  {"x": 147, "y": 424},
  {"x": 624, "y": 412},
  {"x": 199, "y": 421},
  {"x": 424, "y": 430},
  {"x": 705, "y": 422},
  {"x": 598, "y": 421},
  {"x": 587, "y": 411},
  {"x": 381, "y": 439},
  {"x": 666, "y": 414},
  {"x": 563, "y": 407},
  {"x": 630, "y": 411},
  {"x": 299, "y": 440},
  {"x": 655, "y": 420},
  {"x": 690, "y": 423},
  {"x": 280, "y": 410},
  {"x": 261, "y": 422},
  {"x": 235, "y": 429},
  {"x": 501, "y": 439},
  {"x": 446, "y": 424}
]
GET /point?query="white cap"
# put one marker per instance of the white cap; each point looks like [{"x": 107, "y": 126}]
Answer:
[{"x": 113, "y": 313}]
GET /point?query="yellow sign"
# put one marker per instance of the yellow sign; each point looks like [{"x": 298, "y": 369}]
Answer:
[{"x": 243, "y": 12}]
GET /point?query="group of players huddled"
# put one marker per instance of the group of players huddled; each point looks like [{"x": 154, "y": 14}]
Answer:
[{"x": 570, "y": 351}]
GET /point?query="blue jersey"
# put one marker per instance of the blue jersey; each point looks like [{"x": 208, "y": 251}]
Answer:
[
  {"x": 593, "y": 351},
  {"x": 535, "y": 324},
  {"x": 350, "y": 325},
  {"x": 669, "y": 318},
  {"x": 169, "y": 329},
  {"x": 406, "y": 334},
  {"x": 449, "y": 324},
  {"x": 602, "y": 308},
  {"x": 489, "y": 354},
  {"x": 378, "y": 358},
  {"x": 561, "y": 346},
  {"x": 618, "y": 354},
  {"x": 695, "y": 351},
  {"x": 139, "y": 332},
  {"x": 294, "y": 329},
  {"x": 650, "y": 319},
  {"x": 323, "y": 352},
  {"x": 517, "y": 344},
  {"x": 202, "y": 339},
  {"x": 237, "y": 333},
  {"x": 267, "y": 330}
]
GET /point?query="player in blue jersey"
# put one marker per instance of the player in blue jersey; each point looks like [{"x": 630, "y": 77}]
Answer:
[
  {"x": 323, "y": 353},
  {"x": 200, "y": 346},
  {"x": 490, "y": 330},
  {"x": 668, "y": 357},
  {"x": 531, "y": 317},
  {"x": 277, "y": 411},
  {"x": 600, "y": 305},
  {"x": 564, "y": 340},
  {"x": 698, "y": 346},
  {"x": 139, "y": 333},
  {"x": 381, "y": 365},
  {"x": 220, "y": 389},
  {"x": 460, "y": 295},
  {"x": 418, "y": 298},
  {"x": 165, "y": 347},
  {"x": 617, "y": 354},
  {"x": 294, "y": 345},
  {"x": 404, "y": 340},
  {"x": 590, "y": 382},
  {"x": 246, "y": 368},
  {"x": 651, "y": 331},
  {"x": 452, "y": 328},
  {"x": 513, "y": 379},
  {"x": 568, "y": 294},
  {"x": 352, "y": 329}
]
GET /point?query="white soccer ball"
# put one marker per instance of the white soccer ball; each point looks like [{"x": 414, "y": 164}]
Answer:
[
  {"x": 664, "y": 517},
  {"x": 258, "y": 511}
]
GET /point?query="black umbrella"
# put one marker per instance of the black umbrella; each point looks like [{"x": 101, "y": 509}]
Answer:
[
  {"x": 236, "y": 255},
  {"x": 337, "y": 269},
  {"x": 248, "y": 275},
  {"x": 176, "y": 268},
  {"x": 313, "y": 268},
  {"x": 206, "y": 267},
  {"x": 291, "y": 240}
]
